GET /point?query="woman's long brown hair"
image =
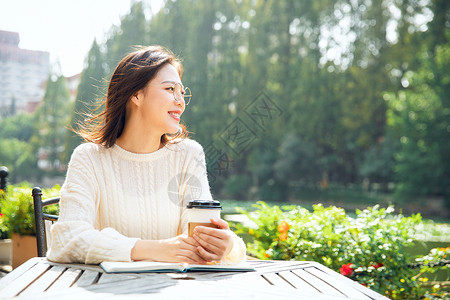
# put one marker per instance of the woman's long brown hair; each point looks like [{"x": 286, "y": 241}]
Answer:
[{"x": 130, "y": 76}]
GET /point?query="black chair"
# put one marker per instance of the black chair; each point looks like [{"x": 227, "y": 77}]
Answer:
[{"x": 40, "y": 217}]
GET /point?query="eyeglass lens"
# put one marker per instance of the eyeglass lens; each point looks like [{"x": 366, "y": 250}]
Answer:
[{"x": 181, "y": 93}]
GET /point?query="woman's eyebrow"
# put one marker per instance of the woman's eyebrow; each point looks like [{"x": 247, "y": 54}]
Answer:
[{"x": 170, "y": 81}]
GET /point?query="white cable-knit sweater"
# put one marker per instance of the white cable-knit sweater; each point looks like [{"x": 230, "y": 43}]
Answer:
[{"x": 112, "y": 197}]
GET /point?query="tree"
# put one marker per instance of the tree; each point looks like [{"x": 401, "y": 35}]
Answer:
[
  {"x": 133, "y": 31},
  {"x": 326, "y": 64},
  {"x": 90, "y": 89},
  {"x": 19, "y": 158},
  {"x": 418, "y": 115},
  {"x": 13, "y": 108},
  {"x": 20, "y": 126},
  {"x": 378, "y": 162},
  {"x": 297, "y": 162},
  {"x": 52, "y": 120}
]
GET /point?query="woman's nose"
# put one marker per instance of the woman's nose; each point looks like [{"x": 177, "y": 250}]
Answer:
[{"x": 181, "y": 103}]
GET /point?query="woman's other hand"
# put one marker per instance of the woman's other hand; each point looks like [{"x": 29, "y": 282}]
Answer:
[
  {"x": 214, "y": 244},
  {"x": 179, "y": 249}
]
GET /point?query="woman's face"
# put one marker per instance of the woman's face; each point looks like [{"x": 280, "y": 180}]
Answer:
[{"x": 157, "y": 108}]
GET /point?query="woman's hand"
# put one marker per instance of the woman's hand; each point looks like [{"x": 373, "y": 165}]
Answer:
[
  {"x": 183, "y": 248},
  {"x": 180, "y": 249},
  {"x": 214, "y": 244}
]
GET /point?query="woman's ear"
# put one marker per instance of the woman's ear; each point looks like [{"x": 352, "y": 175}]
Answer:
[{"x": 137, "y": 98}]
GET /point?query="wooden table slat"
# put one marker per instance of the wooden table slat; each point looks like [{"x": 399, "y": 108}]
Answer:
[
  {"x": 250, "y": 279},
  {"x": 27, "y": 278},
  {"x": 136, "y": 285},
  {"x": 87, "y": 278},
  {"x": 17, "y": 272},
  {"x": 259, "y": 263},
  {"x": 319, "y": 284},
  {"x": 44, "y": 281},
  {"x": 256, "y": 280},
  {"x": 282, "y": 266},
  {"x": 297, "y": 282},
  {"x": 277, "y": 281},
  {"x": 347, "y": 281},
  {"x": 114, "y": 277},
  {"x": 343, "y": 288},
  {"x": 66, "y": 280},
  {"x": 95, "y": 268}
]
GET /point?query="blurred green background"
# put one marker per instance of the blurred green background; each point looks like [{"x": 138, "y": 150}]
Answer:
[{"x": 343, "y": 102}]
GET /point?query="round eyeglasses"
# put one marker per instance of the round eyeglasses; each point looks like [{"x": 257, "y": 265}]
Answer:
[{"x": 181, "y": 93}]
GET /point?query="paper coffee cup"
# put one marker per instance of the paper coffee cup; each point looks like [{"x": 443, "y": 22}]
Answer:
[{"x": 200, "y": 213}]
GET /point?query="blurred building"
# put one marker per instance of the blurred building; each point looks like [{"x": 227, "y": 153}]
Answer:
[{"x": 23, "y": 74}]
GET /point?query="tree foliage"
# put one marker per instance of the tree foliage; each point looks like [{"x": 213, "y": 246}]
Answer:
[
  {"x": 51, "y": 119},
  {"x": 353, "y": 91},
  {"x": 419, "y": 115},
  {"x": 90, "y": 90}
]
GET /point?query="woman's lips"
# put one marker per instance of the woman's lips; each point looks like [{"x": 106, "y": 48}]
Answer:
[{"x": 175, "y": 114}]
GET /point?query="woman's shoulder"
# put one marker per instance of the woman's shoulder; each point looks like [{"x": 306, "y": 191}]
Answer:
[
  {"x": 188, "y": 145},
  {"x": 88, "y": 149}
]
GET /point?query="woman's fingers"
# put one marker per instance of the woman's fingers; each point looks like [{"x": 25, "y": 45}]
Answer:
[
  {"x": 189, "y": 240},
  {"x": 208, "y": 256},
  {"x": 220, "y": 223},
  {"x": 185, "y": 250},
  {"x": 209, "y": 243},
  {"x": 214, "y": 243},
  {"x": 218, "y": 233},
  {"x": 191, "y": 258}
]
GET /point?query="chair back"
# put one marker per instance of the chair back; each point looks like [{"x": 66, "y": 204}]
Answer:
[{"x": 40, "y": 217}]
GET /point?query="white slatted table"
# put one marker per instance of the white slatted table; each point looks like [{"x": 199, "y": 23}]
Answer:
[{"x": 41, "y": 279}]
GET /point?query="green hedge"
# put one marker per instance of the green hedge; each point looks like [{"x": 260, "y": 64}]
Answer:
[
  {"x": 370, "y": 248},
  {"x": 17, "y": 212}
]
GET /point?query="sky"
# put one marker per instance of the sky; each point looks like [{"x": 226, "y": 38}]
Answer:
[{"x": 65, "y": 28}]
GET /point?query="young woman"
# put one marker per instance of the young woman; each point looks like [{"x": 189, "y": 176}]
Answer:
[{"x": 125, "y": 193}]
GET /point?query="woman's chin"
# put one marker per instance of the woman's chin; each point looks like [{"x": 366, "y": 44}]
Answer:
[{"x": 175, "y": 131}]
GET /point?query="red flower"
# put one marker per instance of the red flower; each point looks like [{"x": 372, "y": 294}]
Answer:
[
  {"x": 283, "y": 227},
  {"x": 346, "y": 270},
  {"x": 378, "y": 265},
  {"x": 1, "y": 215}
]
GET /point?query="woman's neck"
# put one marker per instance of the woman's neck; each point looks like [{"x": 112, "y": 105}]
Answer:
[{"x": 135, "y": 142}]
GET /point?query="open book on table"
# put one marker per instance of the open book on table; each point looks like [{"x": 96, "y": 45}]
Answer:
[{"x": 154, "y": 266}]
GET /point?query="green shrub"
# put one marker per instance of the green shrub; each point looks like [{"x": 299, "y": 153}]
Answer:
[
  {"x": 436, "y": 260},
  {"x": 17, "y": 208},
  {"x": 369, "y": 248},
  {"x": 4, "y": 228}
]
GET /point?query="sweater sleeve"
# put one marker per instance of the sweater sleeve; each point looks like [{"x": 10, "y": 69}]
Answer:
[
  {"x": 198, "y": 188},
  {"x": 74, "y": 237}
]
